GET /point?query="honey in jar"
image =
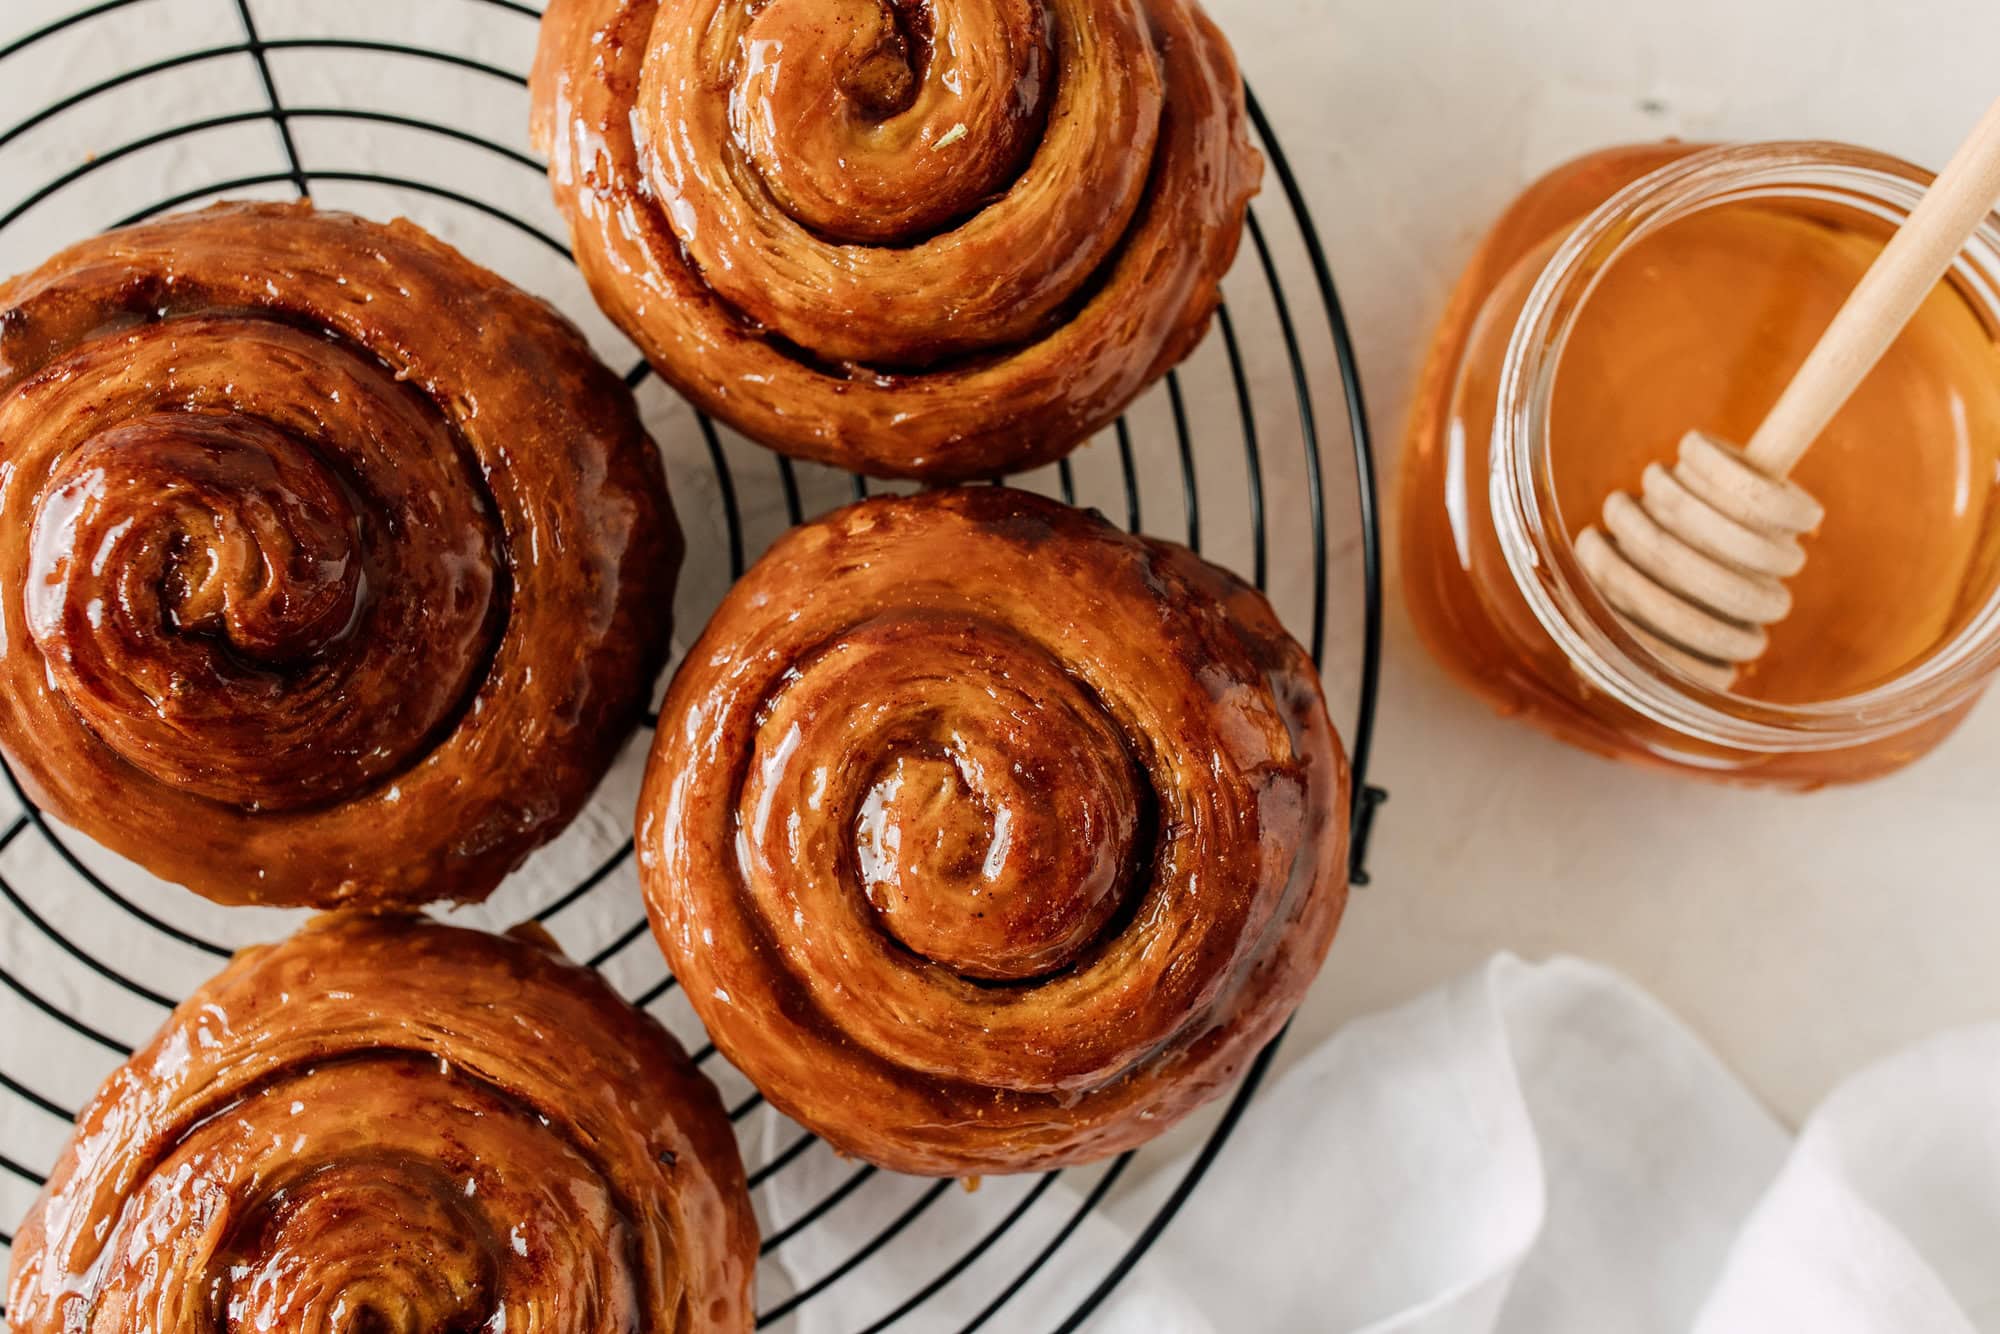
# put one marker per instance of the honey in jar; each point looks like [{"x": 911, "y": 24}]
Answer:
[{"x": 1642, "y": 292}]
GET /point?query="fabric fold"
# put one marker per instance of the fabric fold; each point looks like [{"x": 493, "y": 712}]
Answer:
[{"x": 1530, "y": 1149}]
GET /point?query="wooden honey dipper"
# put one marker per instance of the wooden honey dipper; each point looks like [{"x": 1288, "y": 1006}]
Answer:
[{"x": 1694, "y": 567}]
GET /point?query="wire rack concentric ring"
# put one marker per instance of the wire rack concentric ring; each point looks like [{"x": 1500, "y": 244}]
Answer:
[{"x": 1255, "y": 452}]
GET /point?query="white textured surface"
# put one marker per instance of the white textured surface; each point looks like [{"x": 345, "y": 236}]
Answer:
[
  {"x": 1802, "y": 936},
  {"x": 1543, "y": 1149}
]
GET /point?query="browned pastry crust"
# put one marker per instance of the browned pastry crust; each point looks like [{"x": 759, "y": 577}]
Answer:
[
  {"x": 917, "y": 238},
  {"x": 385, "y": 1123},
  {"x": 333, "y": 570},
  {"x": 986, "y": 838}
]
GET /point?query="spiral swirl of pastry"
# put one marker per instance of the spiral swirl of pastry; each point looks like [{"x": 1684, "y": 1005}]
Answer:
[
  {"x": 917, "y": 238},
  {"x": 388, "y": 1124},
  {"x": 332, "y": 569},
  {"x": 986, "y": 838}
]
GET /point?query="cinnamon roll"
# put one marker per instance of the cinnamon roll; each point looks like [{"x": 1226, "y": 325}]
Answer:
[
  {"x": 986, "y": 838},
  {"x": 332, "y": 568},
  {"x": 388, "y": 1124},
  {"x": 916, "y": 238}
]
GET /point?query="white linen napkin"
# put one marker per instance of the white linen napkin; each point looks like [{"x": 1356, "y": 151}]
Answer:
[{"x": 1533, "y": 1149}]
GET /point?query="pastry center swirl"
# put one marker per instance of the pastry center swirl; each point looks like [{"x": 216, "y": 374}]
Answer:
[
  {"x": 231, "y": 590},
  {"x": 993, "y": 866},
  {"x": 930, "y": 110},
  {"x": 201, "y": 526},
  {"x": 896, "y": 185},
  {"x": 363, "y": 1246},
  {"x": 993, "y": 807}
]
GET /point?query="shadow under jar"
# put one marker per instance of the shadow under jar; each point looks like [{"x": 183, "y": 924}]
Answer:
[{"x": 1641, "y": 292}]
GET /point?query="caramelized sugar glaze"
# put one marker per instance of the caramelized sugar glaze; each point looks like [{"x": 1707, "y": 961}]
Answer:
[
  {"x": 986, "y": 838},
  {"x": 335, "y": 569},
  {"x": 388, "y": 1124},
  {"x": 930, "y": 238}
]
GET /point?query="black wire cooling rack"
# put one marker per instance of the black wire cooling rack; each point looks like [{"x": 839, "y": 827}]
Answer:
[{"x": 1255, "y": 452}]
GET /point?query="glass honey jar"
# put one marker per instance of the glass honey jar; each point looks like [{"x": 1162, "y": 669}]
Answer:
[{"x": 1644, "y": 291}]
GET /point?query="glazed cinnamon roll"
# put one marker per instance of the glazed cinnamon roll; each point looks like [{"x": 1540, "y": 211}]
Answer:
[
  {"x": 332, "y": 568},
  {"x": 986, "y": 838},
  {"x": 916, "y": 238},
  {"x": 388, "y": 1124}
]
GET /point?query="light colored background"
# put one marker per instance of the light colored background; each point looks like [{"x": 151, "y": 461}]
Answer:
[{"x": 1802, "y": 936}]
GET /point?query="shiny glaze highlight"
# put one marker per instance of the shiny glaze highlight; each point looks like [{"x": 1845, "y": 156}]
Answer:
[
  {"x": 986, "y": 838},
  {"x": 388, "y": 1124},
  {"x": 333, "y": 570},
  {"x": 938, "y": 239}
]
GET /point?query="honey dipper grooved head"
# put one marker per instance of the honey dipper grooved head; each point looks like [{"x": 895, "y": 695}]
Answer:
[{"x": 1693, "y": 566}]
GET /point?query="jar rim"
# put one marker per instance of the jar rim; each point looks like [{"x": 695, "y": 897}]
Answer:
[{"x": 1529, "y": 524}]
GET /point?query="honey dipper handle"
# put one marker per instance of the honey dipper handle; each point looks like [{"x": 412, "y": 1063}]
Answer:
[{"x": 1882, "y": 303}]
